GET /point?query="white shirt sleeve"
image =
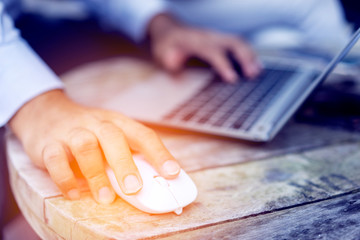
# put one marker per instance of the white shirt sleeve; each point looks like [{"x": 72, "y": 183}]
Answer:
[
  {"x": 23, "y": 75},
  {"x": 129, "y": 16}
]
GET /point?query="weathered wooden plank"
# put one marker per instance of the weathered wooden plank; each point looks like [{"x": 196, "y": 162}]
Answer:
[
  {"x": 336, "y": 218},
  {"x": 225, "y": 194},
  {"x": 197, "y": 152},
  {"x": 31, "y": 205},
  {"x": 31, "y": 184}
]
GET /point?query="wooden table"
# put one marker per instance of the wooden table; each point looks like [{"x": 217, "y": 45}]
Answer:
[{"x": 302, "y": 185}]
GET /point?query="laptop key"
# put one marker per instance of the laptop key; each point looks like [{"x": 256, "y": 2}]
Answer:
[{"x": 219, "y": 104}]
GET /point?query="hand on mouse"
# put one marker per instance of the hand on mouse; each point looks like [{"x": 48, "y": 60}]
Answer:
[
  {"x": 172, "y": 43},
  {"x": 55, "y": 132}
]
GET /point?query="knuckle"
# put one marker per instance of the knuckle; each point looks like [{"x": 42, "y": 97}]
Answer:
[
  {"x": 243, "y": 51},
  {"x": 217, "y": 56},
  {"x": 83, "y": 140},
  {"x": 96, "y": 177},
  {"x": 90, "y": 170},
  {"x": 220, "y": 63},
  {"x": 147, "y": 133},
  {"x": 51, "y": 153},
  {"x": 64, "y": 182},
  {"x": 123, "y": 163},
  {"x": 108, "y": 129},
  {"x": 149, "y": 138}
]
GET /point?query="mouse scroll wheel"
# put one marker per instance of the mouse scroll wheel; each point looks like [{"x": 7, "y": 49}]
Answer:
[{"x": 162, "y": 181}]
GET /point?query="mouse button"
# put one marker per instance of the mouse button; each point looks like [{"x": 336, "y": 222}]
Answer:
[
  {"x": 154, "y": 198},
  {"x": 145, "y": 169},
  {"x": 162, "y": 181},
  {"x": 183, "y": 189}
]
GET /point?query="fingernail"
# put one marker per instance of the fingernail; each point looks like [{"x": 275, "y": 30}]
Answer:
[
  {"x": 253, "y": 70},
  {"x": 171, "y": 167},
  {"x": 231, "y": 76},
  {"x": 132, "y": 184},
  {"x": 106, "y": 196},
  {"x": 73, "y": 194}
]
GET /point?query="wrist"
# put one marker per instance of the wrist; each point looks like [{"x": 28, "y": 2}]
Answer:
[
  {"x": 161, "y": 24},
  {"x": 33, "y": 110}
]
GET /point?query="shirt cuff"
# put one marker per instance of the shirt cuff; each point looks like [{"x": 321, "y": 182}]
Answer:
[
  {"x": 133, "y": 16},
  {"x": 23, "y": 76}
]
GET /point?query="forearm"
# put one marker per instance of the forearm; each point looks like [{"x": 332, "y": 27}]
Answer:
[
  {"x": 23, "y": 75},
  {"x": 160, "y": 23}
]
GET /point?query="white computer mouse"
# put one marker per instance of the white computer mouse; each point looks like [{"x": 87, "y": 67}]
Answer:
[{"x": 158, "y": 195}]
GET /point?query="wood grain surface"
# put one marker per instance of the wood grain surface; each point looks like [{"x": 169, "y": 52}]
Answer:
[
  {"x": 284, "y": 189},
  {"x": 334, "y": 218},
  {"x": 226, "y": 194}
]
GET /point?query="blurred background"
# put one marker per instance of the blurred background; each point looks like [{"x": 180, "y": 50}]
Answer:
[{"x": 66, "y": 34}]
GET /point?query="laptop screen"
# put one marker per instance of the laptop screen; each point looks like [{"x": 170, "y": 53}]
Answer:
[{"x": 340, "y": 55}]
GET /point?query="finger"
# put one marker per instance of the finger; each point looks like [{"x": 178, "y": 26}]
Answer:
[
  {"x": 246, "y": 57},
  {"x": 145, "y": 140},
  {"x": 57, "y": 164},
  {"x": 217, "y": 59},
  {"x": 86, "y": 150},
  {"x": 119, "y": 158},
  {"x": 173, "y": 59}
]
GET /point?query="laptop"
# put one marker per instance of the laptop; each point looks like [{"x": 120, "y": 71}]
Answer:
[{"x": 252, "y": 110}]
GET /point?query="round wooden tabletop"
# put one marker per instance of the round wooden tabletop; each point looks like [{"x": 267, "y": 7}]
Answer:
[{"x": 246, "y": 190}]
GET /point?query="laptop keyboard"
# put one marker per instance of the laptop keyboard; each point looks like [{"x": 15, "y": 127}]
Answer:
[{"x": 235, "y": 106}]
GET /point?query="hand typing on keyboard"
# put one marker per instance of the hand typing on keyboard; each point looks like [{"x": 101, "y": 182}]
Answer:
[{"x": 172, "y": 43}]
